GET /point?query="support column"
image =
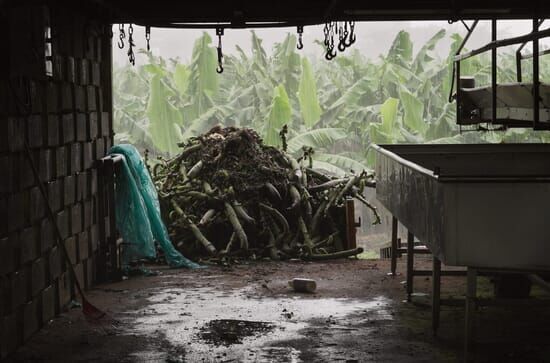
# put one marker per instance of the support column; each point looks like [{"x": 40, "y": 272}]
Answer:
[{"x": 410, "y": 264}]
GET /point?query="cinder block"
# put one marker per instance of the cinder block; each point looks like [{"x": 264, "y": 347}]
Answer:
[
  {"x": 105, "y": 124},
  {"x": 83, "y": 71},
  {"x": 55, "y": 263},
  {"x": 93, "y": 125},
  {"x": 26, "y": 177},
  {"x": 58, "y": 68},
  {"x": 16, "y": 208},
  {"x": 27, "y": 244},
  {"x": 99, "y": 44},
  {"x": 71, "y": 73},
  {"x": 6, "y": 181},
  {"x": 4, "y": 145},
  {"x": 47, "y": 235},
  {"x": 76, "y": 218},
  {"x": 7, "y": 256},
  {"x": 66, "y": 94},
  {"x": 63, "y": 223},
  {"x": 36, "y": 96},
  {"x": 37, "y": 207},
  {"x": 45, "y": 165},
  {"x": 79, "y": 271},
  {"x": 93, "y": 181},
  {"x": 55, "y": 194},
  {"x": 52, "y": 97},
  {"x": 16, "y": 132},
  {"x": 96, "y": 73},
  {"x": 30, "y": 319},
  {"x": 87, "y": 157},
  {"x": 10, "y": 334},
  {"x": 61, "y": 162},
  {"x": 18, "y": 288},
  {"x": 87, "y": 218},
  {"x": 76, "y": 157},
  {"x": 71, "y": 247},
  {"x": 90, "y": 272},
  {"x": 3, "y": 215},
  {"x": 91, "y": 92},
  {"x": 34, "y": 131},
  {"x": 81, "y": 127},
  {"x": 83, "y": 246},
  {"x": 99, "y": 148},
  {"x": 53, "y": 130},
  {"x": 108, "y": 144},
  {"x": 80, "y": 98},
  {"x": 100, "y": 100},
  {"x": 82, "y": 186},
  {"x": 68, "y": 129},
  {"x": 48, "y": 304},
  {"x": 13, "y": 240},
  {"x": 94, "y": 238},
  {"x": 69, "y": 184},
  {"x": 38, "y": 277}
]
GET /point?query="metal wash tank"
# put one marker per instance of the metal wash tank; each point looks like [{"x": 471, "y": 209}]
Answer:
[{"x": 485, "y": 206}]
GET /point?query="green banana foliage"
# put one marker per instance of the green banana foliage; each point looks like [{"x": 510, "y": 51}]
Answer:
[{"x": 340, "y": 108}]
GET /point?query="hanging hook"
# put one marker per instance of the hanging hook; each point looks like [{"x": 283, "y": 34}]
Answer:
[
  {"x": 352, "y": 37},
  {"x": 121, "y": 36},
  {"x": 148, "y": 36},
  {"x": 300, "y": 30},
  {"x": 341, "y": 38},
  {"x": 219, "y": 33},
  {"x": 131, "y": 44}
]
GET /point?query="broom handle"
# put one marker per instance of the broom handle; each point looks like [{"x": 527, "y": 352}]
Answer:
[{"x": 53, "y": 220}]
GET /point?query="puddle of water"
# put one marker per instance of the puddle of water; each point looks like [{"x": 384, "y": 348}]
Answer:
[
  {"x": 183, "y": 316},
  {"x": 230, "y": 331}
]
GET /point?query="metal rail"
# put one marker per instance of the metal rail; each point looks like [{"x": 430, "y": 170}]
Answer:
[{"x": 534, "y": 36}]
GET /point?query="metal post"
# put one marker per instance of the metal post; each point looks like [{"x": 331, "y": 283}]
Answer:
[
  {"x": 436, "y": 293},
  {"x": 471, "y": 294},
  {"x": 394, "y": 230},
  {"x": 458, "y": 113},
  {"x": 536, "y": 83},
  {"x": 494, "y": 69},
  {"x": 410, "y": 264}
]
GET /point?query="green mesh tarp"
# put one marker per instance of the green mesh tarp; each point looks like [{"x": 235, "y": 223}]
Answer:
[{"x": 138, "y": 216}]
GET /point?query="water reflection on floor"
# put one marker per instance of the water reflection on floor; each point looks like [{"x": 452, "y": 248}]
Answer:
[{"x": 228, "y": 326}]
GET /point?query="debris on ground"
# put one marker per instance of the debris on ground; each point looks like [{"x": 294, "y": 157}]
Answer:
[
  {"x": 303, "y": 285},
  {"x": 229, "y": 331},
  {"x": 228, "y": 195}
]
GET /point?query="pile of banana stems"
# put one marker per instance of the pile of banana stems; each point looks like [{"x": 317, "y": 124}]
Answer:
[{"x": 228, "y": 195}]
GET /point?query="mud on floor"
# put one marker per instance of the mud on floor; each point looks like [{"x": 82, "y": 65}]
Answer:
[{"x": 247, "y": 313}]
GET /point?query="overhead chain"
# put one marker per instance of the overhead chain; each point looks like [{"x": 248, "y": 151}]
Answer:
[
  {"x": 131, "y": 45},
  {"x": 148, "y": 37},
  {"x": 344, "y": 30},
  {"x": 300, "y": 31},
  {"x": 219, "y": 33},
  {"x": 121, "y": 36}
]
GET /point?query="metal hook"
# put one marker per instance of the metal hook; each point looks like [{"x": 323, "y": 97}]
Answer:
[
  {"x": 148, "y": 36},
  {"x": 121, "y": 36},
  {"x": 219, "y": 33},
  {"x": 300, "y": 30},
  {"x": 131, "y": 44},
  {"x": 352, "y": 37}
]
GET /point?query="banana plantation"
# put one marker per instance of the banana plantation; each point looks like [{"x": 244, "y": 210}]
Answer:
[{"x": 338, "y": 107}]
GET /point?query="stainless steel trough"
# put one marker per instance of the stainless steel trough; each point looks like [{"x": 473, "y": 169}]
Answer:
[{"x": 485, "y": 206}]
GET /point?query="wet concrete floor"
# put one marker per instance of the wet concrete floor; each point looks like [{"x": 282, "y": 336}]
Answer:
[{"x": 247, "y": 313}]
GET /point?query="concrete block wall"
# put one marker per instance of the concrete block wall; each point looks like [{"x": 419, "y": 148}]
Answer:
[{"x": 62, "y": 107}]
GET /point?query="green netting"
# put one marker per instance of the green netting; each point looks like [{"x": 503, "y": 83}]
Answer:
[{"x": 138, "y": 212}]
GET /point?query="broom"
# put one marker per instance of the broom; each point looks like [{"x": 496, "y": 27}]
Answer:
[{"x": 91, "y": 313}]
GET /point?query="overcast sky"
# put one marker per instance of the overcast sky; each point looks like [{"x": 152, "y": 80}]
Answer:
[{"x": 373, "y": 38}]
